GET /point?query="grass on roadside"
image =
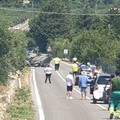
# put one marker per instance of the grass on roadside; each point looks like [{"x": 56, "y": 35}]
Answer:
[{"x": 21, "y": 108}]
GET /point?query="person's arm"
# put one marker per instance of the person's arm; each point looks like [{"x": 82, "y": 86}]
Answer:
[
  {"x": 45, "y": 70},
  {"x": 110, "y": 90},
  {"x": 88, "y": 80},
  {"x": 51, "y": 69},
  {"x": 73, "y": 82},
  {"x": 79, "y": 83}
]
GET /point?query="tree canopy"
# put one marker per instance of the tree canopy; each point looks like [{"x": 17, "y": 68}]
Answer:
[
  {"x": 93, "y": 38},
  {"x": 12, "y": 52}
]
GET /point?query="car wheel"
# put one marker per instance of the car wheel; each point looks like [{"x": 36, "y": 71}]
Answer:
[{"x": 94, "y": 100}]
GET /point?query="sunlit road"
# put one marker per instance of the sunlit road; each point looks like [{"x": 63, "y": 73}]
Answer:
[{"x": 54, "y": 104}]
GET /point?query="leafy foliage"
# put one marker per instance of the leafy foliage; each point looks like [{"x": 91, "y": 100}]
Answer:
[
  {"x": 95, "y": 47},
  {"x": 21, "y": 109},
  {"x": 58, "y": 46},
  {"x": 50, "y": 26},
  {"x": 12, "y": 52}
]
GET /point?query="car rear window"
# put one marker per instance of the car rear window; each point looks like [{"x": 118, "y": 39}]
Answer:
[{"x": 103, "y": 79}]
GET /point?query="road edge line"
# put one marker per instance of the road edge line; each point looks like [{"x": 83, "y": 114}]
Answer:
[{"x": 38, "y": 100}]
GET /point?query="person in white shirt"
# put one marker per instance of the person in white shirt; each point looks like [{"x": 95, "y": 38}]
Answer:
[
  {"x": 48, "y": 73},
  {"x": 69, "y": 84}
]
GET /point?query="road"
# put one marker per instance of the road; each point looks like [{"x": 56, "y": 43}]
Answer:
[
  {"x": 22, "y": 26},
  {"x": 50, "y": 101}
]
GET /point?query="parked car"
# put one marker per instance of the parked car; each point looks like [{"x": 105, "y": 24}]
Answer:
[{"x": 101, "y": 88}]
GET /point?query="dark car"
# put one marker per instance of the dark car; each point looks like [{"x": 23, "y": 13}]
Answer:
[{"x": 40, "y": 61}]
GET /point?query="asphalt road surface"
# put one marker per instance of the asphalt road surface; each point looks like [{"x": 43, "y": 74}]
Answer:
[{"x": 51, "y": 104}]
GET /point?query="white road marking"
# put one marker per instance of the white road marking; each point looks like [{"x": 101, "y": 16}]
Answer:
[{"x": 40, "y": 109}]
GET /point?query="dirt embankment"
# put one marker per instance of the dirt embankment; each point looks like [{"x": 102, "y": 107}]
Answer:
[{"x": 7, "y": 92}]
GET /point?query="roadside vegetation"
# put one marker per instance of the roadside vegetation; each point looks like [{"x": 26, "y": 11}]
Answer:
[{"x": 21, "y": 107}]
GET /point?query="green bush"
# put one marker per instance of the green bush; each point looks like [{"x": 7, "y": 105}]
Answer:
[{"x": 22, "y": 108}]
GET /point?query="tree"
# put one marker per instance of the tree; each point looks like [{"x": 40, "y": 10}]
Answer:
[
  {"x": 5, "y": 43},
  {"x": 58, "y": 46},
  {"x": 12, "y": 52},
  {"x": 17, "y": 52},
  {"x": 50, "y": 26},
  {"x": 91, "y": 45}
]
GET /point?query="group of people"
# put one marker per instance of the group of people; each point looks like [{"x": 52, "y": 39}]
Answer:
[
  {"x": 71, "y": 78},
  {"x": 82, "y": 83},
  {"x": 114, "y": 105}
]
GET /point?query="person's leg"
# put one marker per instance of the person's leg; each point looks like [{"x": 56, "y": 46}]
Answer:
[
  {"x": 112, "y": 101},
  {"x": 58, "y": 66},
  {"x": 82, "y": 92},
  {"x": 46, "y": 78},
  {"x": 55, "y": 66},
  {"x": 49, "y": 76},
  {"x": 85, "y": 93},
  {"x": 70, "y": 95},
  {"x": 67, "y": 93},
  {"x": 70, "y": 92},
  {"x": 117, "y": 104}
]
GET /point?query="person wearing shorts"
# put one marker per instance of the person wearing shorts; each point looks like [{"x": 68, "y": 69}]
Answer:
[
  {"x": 83, "y": 89},
  {"x": 82, "y": 83},
  {"x": 69, "y": 84}
]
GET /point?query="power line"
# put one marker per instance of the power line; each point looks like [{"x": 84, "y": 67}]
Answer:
[{"x": 57, "y": 13}]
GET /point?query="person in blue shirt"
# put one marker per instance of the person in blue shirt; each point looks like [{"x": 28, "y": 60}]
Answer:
[{"x": 82, "y": 83}]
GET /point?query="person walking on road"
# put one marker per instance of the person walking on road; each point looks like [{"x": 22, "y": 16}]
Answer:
[
  {"x": 48, "y": 73},
  {"x": 74, "y": 67},
  {"x": 82, "y": 83},
  {"x": 69, "y": 84},
  {"x": 56, "y": 63},
  {"x": 115, "y": 95}
]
